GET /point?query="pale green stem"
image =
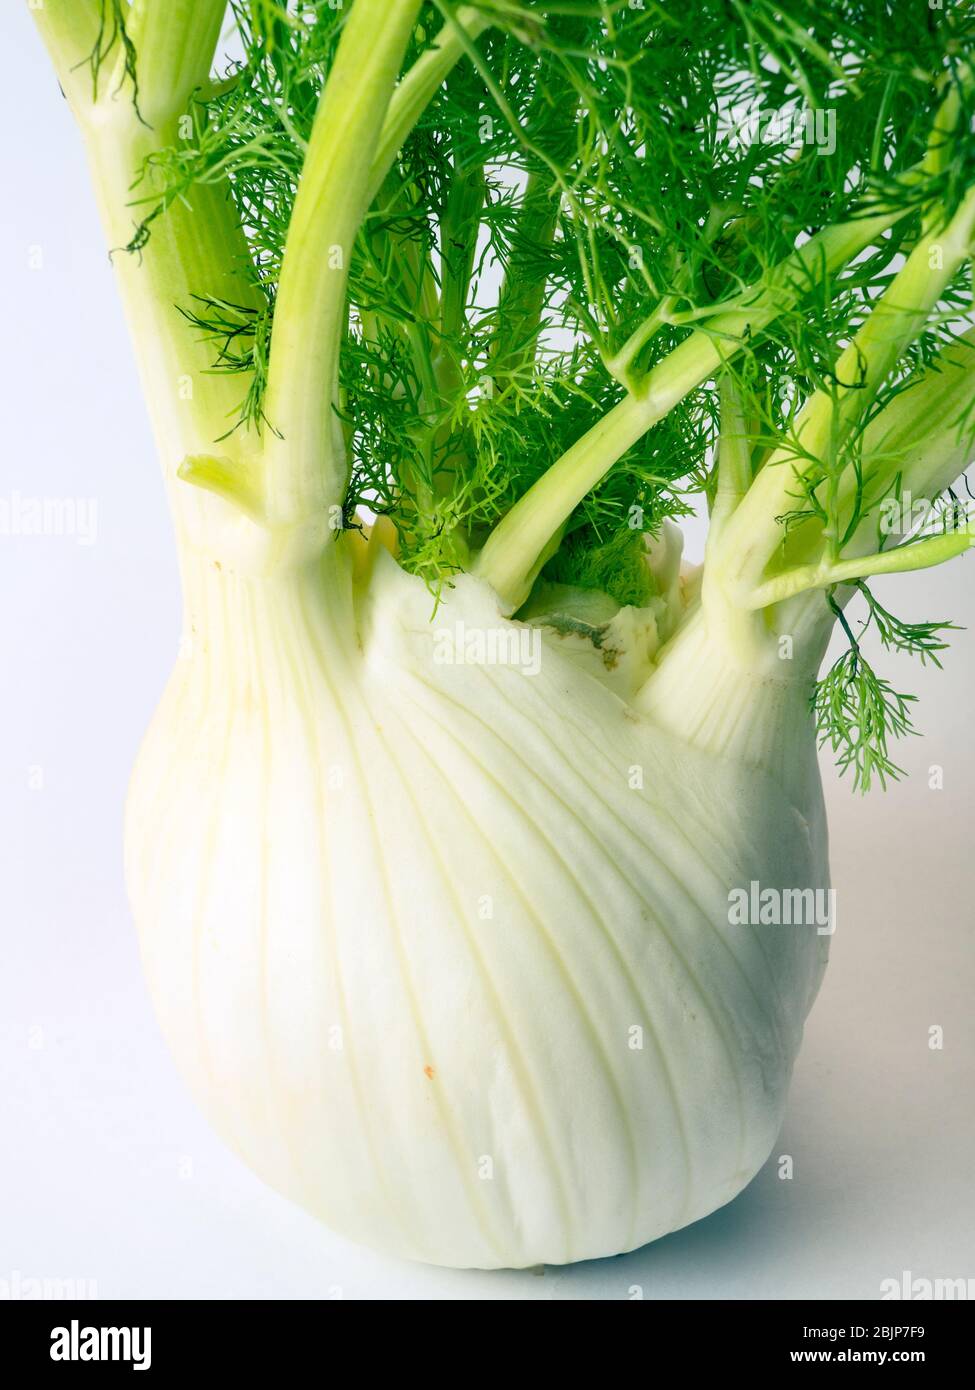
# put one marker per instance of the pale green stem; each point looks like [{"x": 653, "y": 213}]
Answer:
[
  {"x": 743, "y": 635},
  {"x": 459, "y": 229},
  {"x": 69, "y": 29},
  {"x": 175, "y": 41},
  {"x": 941, "y": 141},
  {"x": 829, "y": 417},
  {"x": 734, "y": 457},
  {"x": 512, "y": 550},
  {"x": 306, "y": 470},
  {"x": 913, "y": 449},
  {"x": 522, "y": 297},
  {"x": 404, "y": 268},
  {"x": 509, "y": 560},
  {"x": 917, "y": 555},
  {"x": 620, "y": 364},
  {"x": 418, "y": 87},
  {"x": 196, "y": 246},
  {"x": 521, "y": 300},
  {"x": 925, "y": 436}
]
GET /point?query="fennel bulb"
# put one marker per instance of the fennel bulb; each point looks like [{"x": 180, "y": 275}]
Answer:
[
  {"x": 435, "y": 841},
  {"x": 429, "y": 942}
]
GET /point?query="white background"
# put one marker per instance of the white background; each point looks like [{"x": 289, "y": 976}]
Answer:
[{"x": 107, "y": 1172}]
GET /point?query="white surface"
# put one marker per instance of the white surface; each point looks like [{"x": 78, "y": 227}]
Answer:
[{"x": 106, "y": 1170}]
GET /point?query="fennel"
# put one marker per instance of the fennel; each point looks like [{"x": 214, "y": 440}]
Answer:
[{"x": 443, "y": 943}]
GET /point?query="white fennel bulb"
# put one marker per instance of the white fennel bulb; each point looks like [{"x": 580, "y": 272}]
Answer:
[
  {"x": 478, "y": 857},
  {"x": 444, "y": 949}
]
